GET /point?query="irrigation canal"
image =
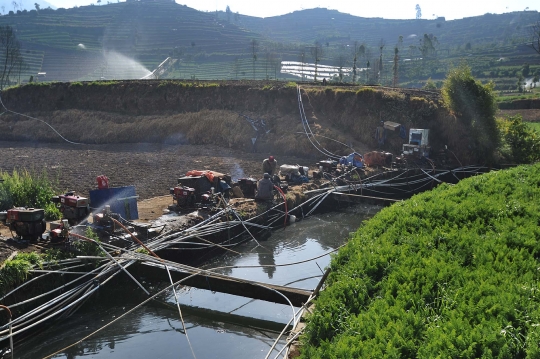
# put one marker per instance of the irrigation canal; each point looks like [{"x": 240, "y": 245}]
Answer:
[{"x": 218, "y": 325}]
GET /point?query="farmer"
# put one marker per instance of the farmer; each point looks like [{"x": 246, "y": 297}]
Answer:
[
  {"x": 265, "y": 189},
  {"x": 270, "y": 166}
]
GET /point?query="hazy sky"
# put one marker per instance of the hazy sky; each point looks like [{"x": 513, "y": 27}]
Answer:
[{"x": 389, "y": 9}]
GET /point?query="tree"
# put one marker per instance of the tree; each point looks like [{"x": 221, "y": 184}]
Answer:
[
  {"x": 475, "y": 107},
  {"x": 228, "y": 12},
  {"x": 430, "y": 85},
  {"x": 254, "y": 48},
  {"x": 302, "y": 59},
  {"x": 37, "y": 6},
  {"x": 20, "y": 68},
  {"x": 10, "y": 55},
  {"x": 276, "y": 64},
  {"x": 268, "y": 62},
  {"x": 355, "y": 57},
  {"x": 525, "y": 70},
  {"x": 382, "y": 43},
  {"x": 520, "y": 83},
  {"x": 395, "y": 69},
  {"x": 418, "y": 11},
  {"x": 15, "y": 5},
  {"x": 427, "y": 45},
  {"x": 99, "y": 2},
  {"x": 317, "y": 53},
  {"x": 535, "y": 37},
  {"x": 361, "y": 53},
  {"x": 340, "y": 62}
]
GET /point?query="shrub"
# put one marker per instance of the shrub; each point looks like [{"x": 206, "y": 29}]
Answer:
[
  {"x": 430, "y": 85},
  {"x": 520, "y": 142},
  {"x": 365, "y": 91},
  {"x": 474, "y": 104},
  {"x": 22, "y": 189},
  {"x": 15, "y": 271}
]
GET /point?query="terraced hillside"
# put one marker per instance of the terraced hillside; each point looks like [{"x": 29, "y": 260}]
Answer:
[
  {"x": 73, "y": 43},
  {"x": 493, "y": 45},
  {"x": 308, "y": 26},
  {"x": 127, "y": 40}
]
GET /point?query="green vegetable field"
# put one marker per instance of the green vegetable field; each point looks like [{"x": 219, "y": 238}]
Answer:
[{"x": 451, "y": 273}]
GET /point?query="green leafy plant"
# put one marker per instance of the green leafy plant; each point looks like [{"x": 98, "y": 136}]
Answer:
[
  {"x": 448, "y": 273},
  {"x": 88, "y": 248},
  {"x": 521, "y": 143},
  {"x": 14, "y": 271},
  {"x": 23, "y": 189}
]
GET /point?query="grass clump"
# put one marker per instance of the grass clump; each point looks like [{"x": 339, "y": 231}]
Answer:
[
  {"x": 87, "y": 248},
  {"x": 15, "y": 271},
  {"x": 23, "y": 189},
  {"x": 451, "y": 273},
  {"x": 102, "y": 83},
  {"x": 291, "y": 84},
  {"x": 142, "y": 251}
]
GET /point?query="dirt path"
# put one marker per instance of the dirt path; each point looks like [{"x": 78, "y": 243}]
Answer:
[{"x": 152, "y": 168}]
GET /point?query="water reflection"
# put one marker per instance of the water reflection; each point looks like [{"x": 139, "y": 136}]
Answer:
[
  {"x": 267, "y": 261},
  {"x": 219, "y": 325}
]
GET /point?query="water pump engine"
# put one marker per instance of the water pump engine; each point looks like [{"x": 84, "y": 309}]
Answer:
[
  {"x": 59, "y": 231},
  {"x": 184, "y": 196},
  {"x": 74, "y": 208},
  {"x": 28, "y": 223}
]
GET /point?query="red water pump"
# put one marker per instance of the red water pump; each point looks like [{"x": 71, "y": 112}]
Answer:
[
  {"x": 59, "y": 231},
  {"x": 183, "y": 196},
  {"x": 28, "y": 223},
  {"x": 74, "y": 208}
]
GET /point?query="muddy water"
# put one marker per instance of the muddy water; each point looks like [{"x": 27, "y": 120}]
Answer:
[{"x": 218, "y": 325}]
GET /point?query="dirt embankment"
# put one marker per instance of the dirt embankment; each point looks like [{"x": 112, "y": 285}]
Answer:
[{"x": 172, "y": 113}]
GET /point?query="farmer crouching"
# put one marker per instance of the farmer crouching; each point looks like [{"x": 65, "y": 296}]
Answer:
[{"x": 265, "y": 189}]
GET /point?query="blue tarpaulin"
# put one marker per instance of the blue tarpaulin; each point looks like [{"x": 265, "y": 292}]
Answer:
[
  {"x": 122, "y": 200},
  {"x": 354, "y": 159}
]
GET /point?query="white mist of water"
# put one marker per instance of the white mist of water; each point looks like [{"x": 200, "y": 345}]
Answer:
[
  {"x": 81, "y": 46},
  {"x": 237, "y": 172},
  {"x": 529, "y": 84},
  {"x": 120, "y": 67}
]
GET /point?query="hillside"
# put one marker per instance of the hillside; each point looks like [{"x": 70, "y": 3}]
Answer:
[
  {"x": 334, "y": 27},
  {"x": 127, "y": 40},
  {"x": 72, "y": 44},
  {"x": 213, "y": 113}
]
